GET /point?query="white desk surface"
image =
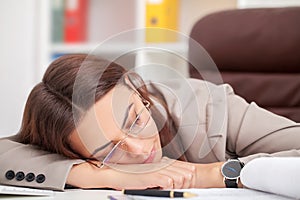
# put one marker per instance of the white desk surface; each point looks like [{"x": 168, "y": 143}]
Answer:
[{"x": 203, "y": 194}]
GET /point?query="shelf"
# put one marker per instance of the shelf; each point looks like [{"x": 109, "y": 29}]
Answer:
[
  {"x": 179, "y": 47},
  {"x": 72, "y": 48}
]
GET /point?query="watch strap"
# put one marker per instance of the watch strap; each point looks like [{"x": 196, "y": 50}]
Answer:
[{"x": 231, "y": 183}]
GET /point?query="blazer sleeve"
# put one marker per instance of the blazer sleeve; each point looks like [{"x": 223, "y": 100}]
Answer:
[
  {"x": 255, "y": 132},
  {"x": 26, "y": 165}
]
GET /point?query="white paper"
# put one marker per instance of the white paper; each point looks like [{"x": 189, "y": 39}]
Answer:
[
  {"x": 215, "y": 194},
  {"x": 273, "y": 174}
]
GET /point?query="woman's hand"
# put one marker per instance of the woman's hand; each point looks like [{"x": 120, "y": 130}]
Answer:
[{"x": 167, "y": 174}]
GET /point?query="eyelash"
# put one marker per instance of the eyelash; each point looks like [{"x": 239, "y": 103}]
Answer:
[
  {"x": 131, "y": 119},
  {"x": 137, "y": 119}
]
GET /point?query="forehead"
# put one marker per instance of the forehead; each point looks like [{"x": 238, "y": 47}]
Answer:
[
  {"x": 114, "y": 105},
  {"x": 104, "y": 119},
  {"x": 121, "y": 97}
]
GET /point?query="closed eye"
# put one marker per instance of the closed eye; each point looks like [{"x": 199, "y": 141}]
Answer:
[{"x": 127, "y": 116}]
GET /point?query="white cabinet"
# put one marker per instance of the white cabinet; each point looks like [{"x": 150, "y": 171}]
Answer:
[{"x": 108, "y": 18}]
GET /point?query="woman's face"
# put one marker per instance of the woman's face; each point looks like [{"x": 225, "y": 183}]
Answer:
[{"x": 119, "y": 118}]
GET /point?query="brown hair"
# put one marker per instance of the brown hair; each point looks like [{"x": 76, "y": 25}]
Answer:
[{"x": 48, "y": 118}]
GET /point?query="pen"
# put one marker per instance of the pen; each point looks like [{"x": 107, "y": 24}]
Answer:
[{"x": 159, "y": 193}]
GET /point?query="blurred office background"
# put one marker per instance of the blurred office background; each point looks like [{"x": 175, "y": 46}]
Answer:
[{"x": 33, "y": 33}]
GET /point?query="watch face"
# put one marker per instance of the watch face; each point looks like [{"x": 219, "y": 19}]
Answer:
[{"x": 231, "y": 169}]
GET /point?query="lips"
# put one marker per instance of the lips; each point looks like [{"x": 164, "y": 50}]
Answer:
[{"x": 151, "y": 156}]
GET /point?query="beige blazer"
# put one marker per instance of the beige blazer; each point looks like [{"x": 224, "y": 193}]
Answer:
[{"x": 214, "y": 125}]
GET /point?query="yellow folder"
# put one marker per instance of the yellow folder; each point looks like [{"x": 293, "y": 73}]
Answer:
[{"x": 162, "y": 14}]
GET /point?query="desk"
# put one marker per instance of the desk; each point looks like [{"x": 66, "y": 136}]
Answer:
[{"x": 203, "y": 194}]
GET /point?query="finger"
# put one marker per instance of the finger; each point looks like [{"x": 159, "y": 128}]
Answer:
[
  {"x": 177, "y": 177},
  {"x": 182, "y": 178},
  {"x": 187, "y": 170},
  {"x": 161, "y": 180}
]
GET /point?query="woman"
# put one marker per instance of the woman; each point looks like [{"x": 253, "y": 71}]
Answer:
[{"x": 115, "y": 130}]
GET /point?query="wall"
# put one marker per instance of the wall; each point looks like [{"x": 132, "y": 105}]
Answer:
[
  {"x": 17, "y": 37},
  {"x": 193, "y": 10}
]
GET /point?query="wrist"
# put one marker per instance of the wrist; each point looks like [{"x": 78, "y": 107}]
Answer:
[
  {"x": 87, "y": 175},
  {"x": 219, "y": 178},
  {"x": 209, "y": 175}
]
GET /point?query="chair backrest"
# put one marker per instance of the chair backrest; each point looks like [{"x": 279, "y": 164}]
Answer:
[{"x": 257, "y": 52}]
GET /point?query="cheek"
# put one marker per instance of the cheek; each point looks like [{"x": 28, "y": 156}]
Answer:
[
  {"x": 151, "y": 129},
  {"x": 77, "y": 146}
]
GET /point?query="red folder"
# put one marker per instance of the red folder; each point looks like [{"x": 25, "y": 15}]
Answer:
[{"x": 75, "y": 28}]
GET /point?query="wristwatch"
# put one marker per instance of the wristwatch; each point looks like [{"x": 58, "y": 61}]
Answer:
[{"x": 231, "y": 170}]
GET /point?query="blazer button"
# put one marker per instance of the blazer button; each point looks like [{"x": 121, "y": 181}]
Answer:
[
  {"x": 40, "y": 178},
  {"x": 20, "y": 176},
  {"x": 10, "y": 174},
  {"x": 30, "y": 177}
]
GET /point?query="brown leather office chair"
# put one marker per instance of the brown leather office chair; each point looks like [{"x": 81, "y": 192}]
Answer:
[{"x": 257, "y": 52}]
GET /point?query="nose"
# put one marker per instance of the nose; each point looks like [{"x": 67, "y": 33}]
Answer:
[{"x": 139, "y": 146}]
